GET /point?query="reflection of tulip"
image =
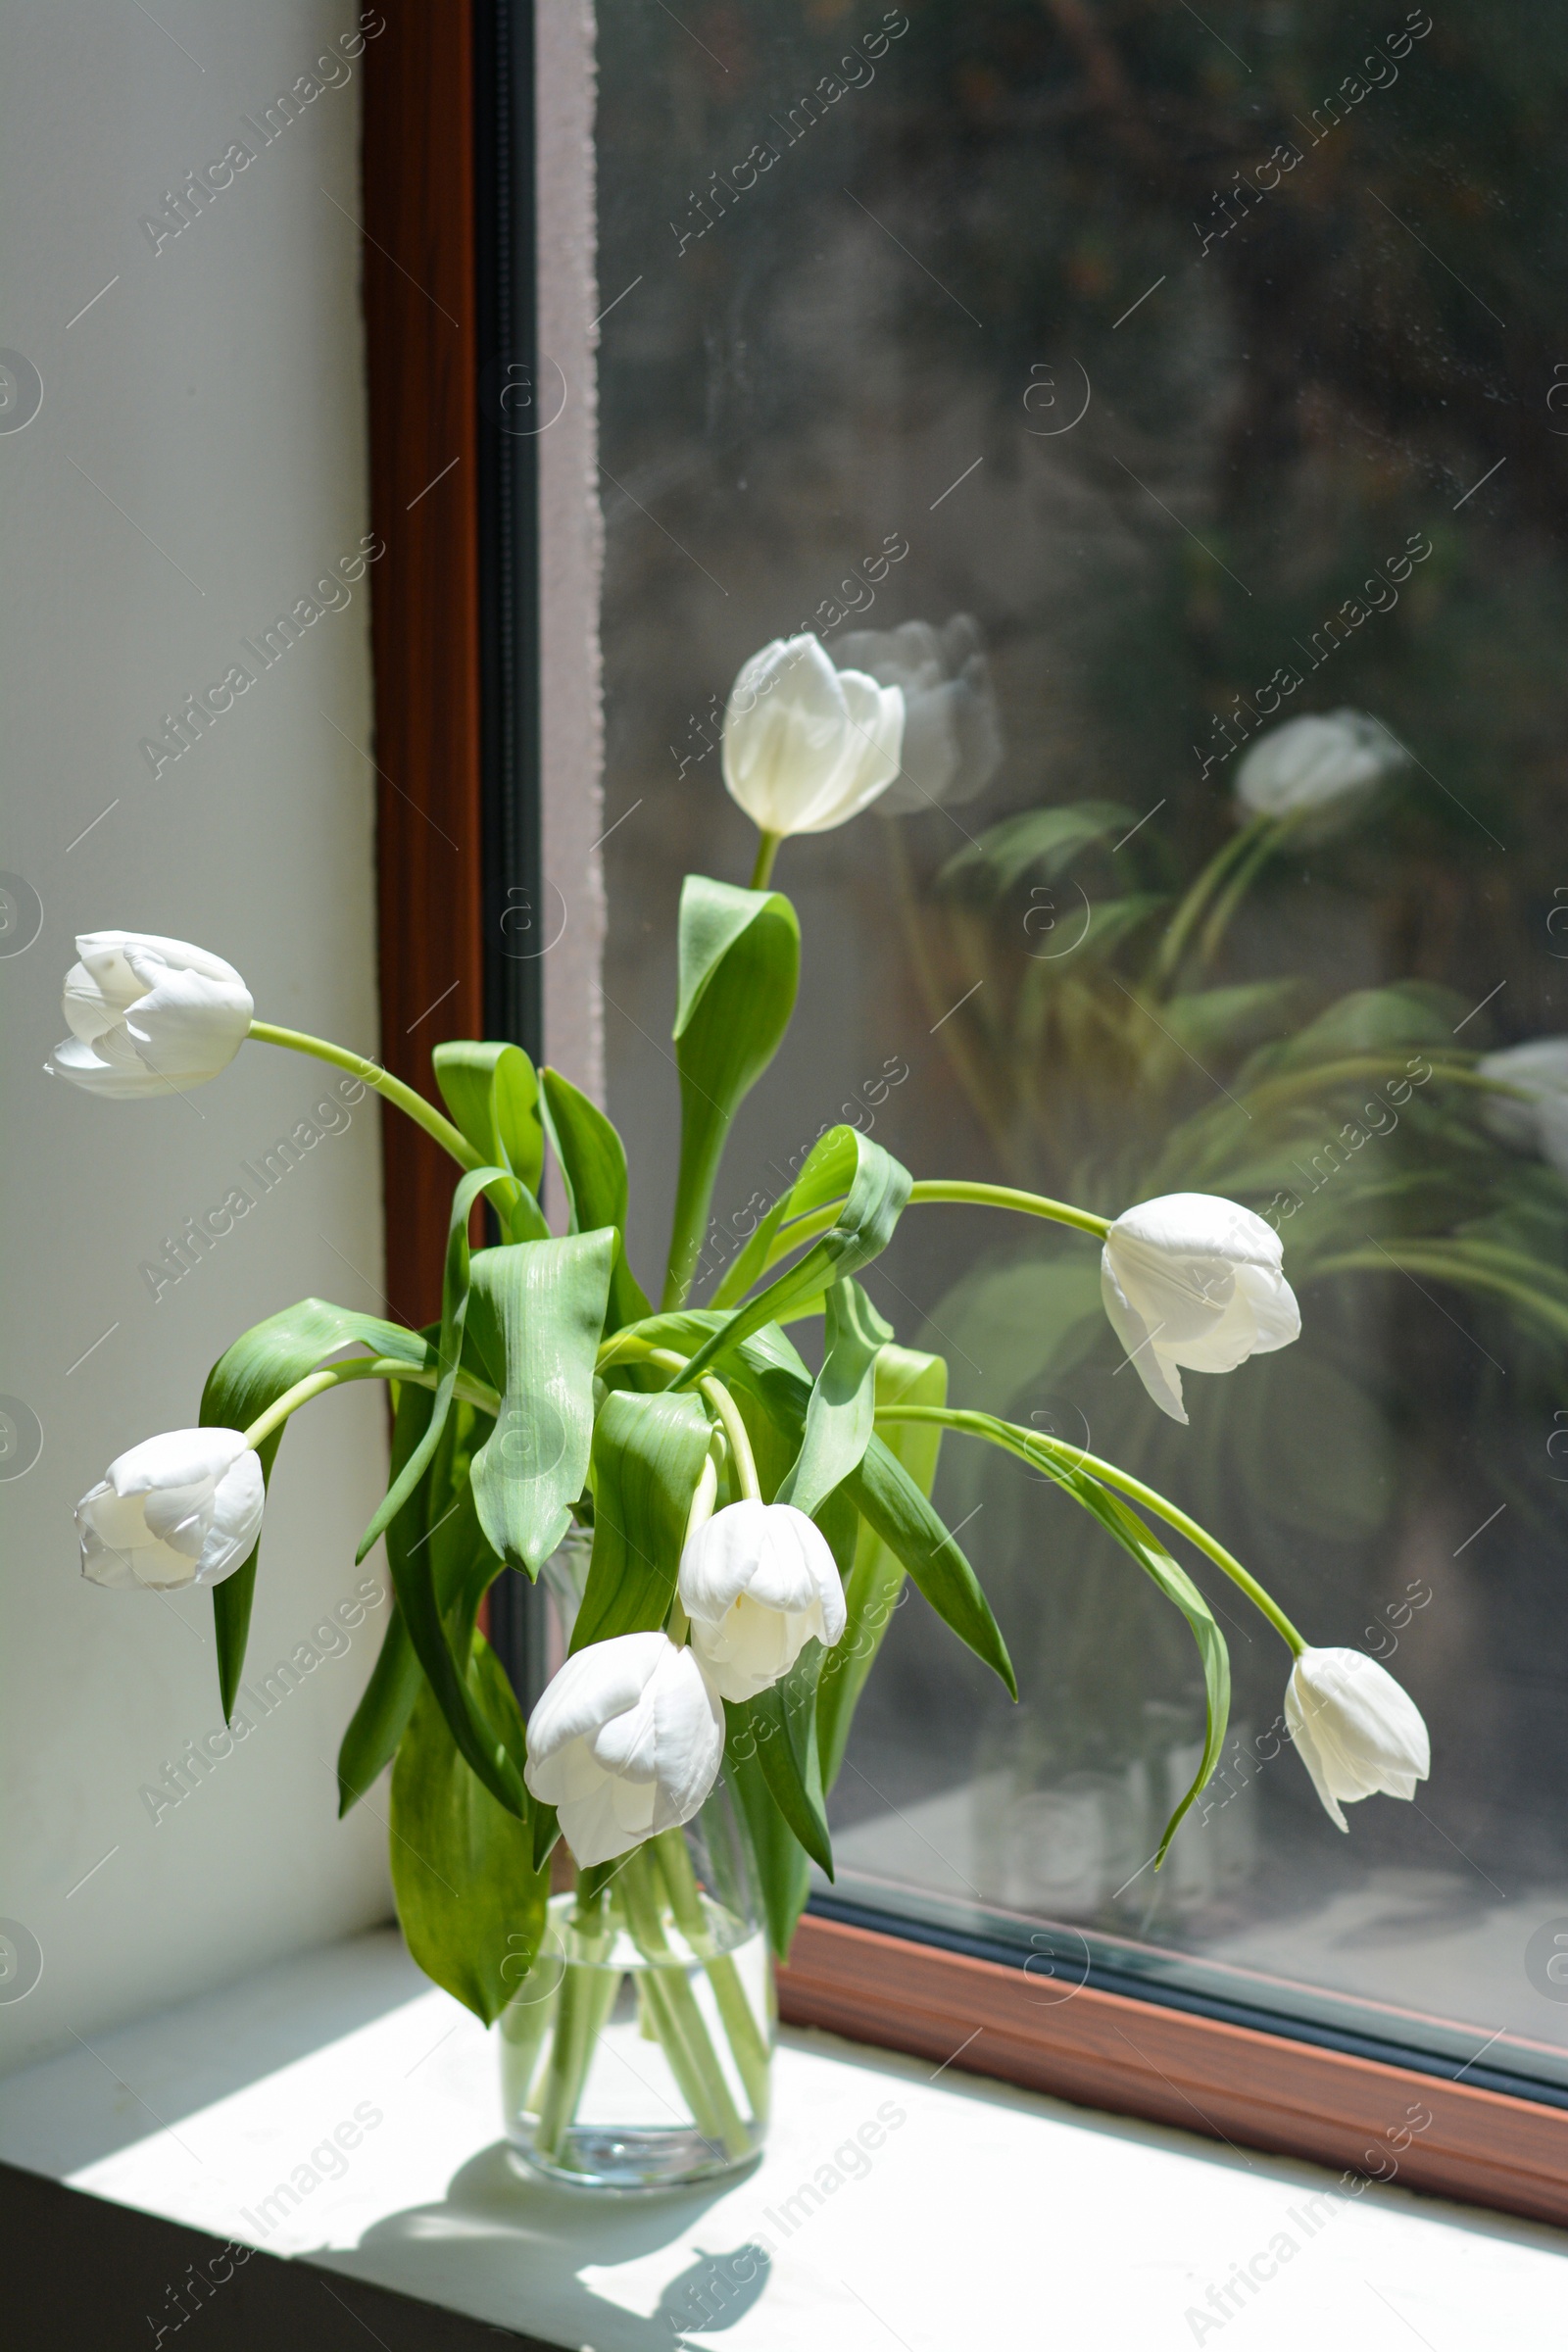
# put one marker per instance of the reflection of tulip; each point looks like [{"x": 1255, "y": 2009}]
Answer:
[
  {"x": 1539, "y": 1068},
  {"x": 808, "y": 746},
  {"x": 951, "y": 734},
  {"x": 1328, "y": 761},
  {"x": 626, "y": 1741},
  {"x": 149, "y": 1015},
  {"x": 757, "y": 1580},
  {"x": 1357, "y": 1733},
  {"x": 1193, "y": 1280},
  {"x": 181, "y": 1510}
]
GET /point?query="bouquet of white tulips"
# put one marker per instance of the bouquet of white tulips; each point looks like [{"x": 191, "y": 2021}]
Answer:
[{"x": 751, "y": 1525}]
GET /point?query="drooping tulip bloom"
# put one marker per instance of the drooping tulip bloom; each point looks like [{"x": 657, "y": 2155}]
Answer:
[
  {"x": 806, "y": 746},
  {"x": 626, "y": 1741},
  {"x": 184, "y": 1508},
  {"x": 1357, "y": 1731},
  {"x": 1326, "y": 763},
  {"x": 757, "y": 1580},
  {"x": 149, "y": 1015},
  {"x": 952, "y": 732},
  {"x": 1540, "y": 1123},
  {"x": 1190, "y": 1280}
]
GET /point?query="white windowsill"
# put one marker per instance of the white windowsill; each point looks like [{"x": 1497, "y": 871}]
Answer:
[{"x": 986, "y": 2217}]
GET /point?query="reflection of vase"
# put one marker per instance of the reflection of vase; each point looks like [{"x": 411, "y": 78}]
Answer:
[{"x": 637, "y": 2053}]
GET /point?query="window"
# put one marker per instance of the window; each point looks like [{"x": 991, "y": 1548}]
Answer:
[{"x": 1153, "y": 381}]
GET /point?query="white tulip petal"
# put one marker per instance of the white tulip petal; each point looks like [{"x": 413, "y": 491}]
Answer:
[
  {"x": 181, "y": 1508},
  {"x": 807, "y": 747},
  {"x": 1326, "y": 763},
  {"x": 759, "y": 1581},
  {"x": 1277, "y": 1318},
  {"x": 626, "y": 1741},
  {"x": 1358, "y": 1731},
  {"x": 1194, "y": 1281},
  {"x": 149, "y": 1015},
  {"x": 1160, "y": 1377}
]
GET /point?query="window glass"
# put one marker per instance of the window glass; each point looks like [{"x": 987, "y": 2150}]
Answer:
[{"x": 1140, "y": 385}]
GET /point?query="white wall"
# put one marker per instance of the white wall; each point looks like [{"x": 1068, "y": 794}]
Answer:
[{"x": 196, "y": 464}]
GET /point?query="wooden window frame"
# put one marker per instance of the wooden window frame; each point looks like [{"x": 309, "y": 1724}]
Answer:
[{"x": 425, "y": 260}]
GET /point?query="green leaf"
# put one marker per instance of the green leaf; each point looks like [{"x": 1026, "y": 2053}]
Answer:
[
  {"x": 593, "y": 1167},
  {"x": 455, "y": 1287},
  {"x": 740, "y": 962},
  {"x": 647, "y": 1457},
  {"x": 878, "y": 1188},
  {"x": 875, "y": 1581},
  {"x": 534, "y": 1327},
  {"x": 471, "y": 1902},
  {"x": 783, "y": 1867},
  {"x": 838, "y": 1419},
  {"x": 252, "y": 1374},
  {"x": 414, "y": 1582},
  {"x": 440, "y": 1514},
  {"x": 382, "y": 1717},
  {"x": 782, "y": 1722},
  {"x": 1178, "y": 1588},
  {"x": 828, "y": 1172},
  {"x": 1146, "y": 1547},
  {"x": 492, "y": 1095},
  {"x": 889, "y": 1498},
  {"x": 1049, "y": 839}
]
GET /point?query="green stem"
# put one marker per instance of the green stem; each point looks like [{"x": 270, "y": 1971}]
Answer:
[
  {"x": 734, "y": 1428},
  {"x": 406, "y": 1098},
  {"x": 363, "y": 1367},
  {"x": 766, "y": 852},
  {"x": 673, "y": 2008},
  {"x": 926, "y": 1194},
  {"x": 1191, "y": 908},
  {"x": 1240, "y": 883},
  {"x": 1030, "y": 1445},
  {"x": 1006, "y": 1195},
  {"x": 746, "y": 2040},
  {"x": 581, "y": 2011}
]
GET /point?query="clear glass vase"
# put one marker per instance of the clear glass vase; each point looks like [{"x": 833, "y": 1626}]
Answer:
[{"x": 638, "y": 2051}]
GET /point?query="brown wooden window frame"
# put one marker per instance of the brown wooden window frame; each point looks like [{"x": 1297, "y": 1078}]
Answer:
[{"x": 1266, "y": 2090}]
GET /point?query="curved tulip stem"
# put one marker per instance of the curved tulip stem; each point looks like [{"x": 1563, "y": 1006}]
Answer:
[
  {"x": 715, "y": 1395},
  {"x": 1030, "y": 1445},
  {"x": 767, "y": 851},
  {"x": 1191, "y": 909},
  {"x": 1006, "y": 1195},
  {"x": 935, "y": 1191},
  {"x": 370, "y": 1073},
  {"x": 1274, "y": 836},
  {"x": 361, "y": 1367}
]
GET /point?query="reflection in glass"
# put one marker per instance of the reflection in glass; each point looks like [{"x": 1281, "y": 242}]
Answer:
[{"x": 1176, "y": 410}]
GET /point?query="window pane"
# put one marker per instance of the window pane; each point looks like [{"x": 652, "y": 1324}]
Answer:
[{"x": 1146, "y": 385}]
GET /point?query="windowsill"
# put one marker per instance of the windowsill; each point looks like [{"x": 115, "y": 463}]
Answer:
[{"x": 986, "y": 2212}]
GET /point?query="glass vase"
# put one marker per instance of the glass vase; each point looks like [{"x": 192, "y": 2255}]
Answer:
[{"x": 637, "y": 2053}]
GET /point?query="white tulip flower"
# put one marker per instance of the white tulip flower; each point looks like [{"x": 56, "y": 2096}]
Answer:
[
  {"x": 626, "y": 1741},
  {"x": 181, "y": 1510},
  {"x": 1539, "y": 1068},
  {"x": 1358, "y": 1734},
  {"x": 1326, "y": 763},
  {"x": 1193, "y": 1280},
  {"x": 757, "y": 1580},
  {"x": 806, "y": 746},
  {"x": 149, "y": 1015}
]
